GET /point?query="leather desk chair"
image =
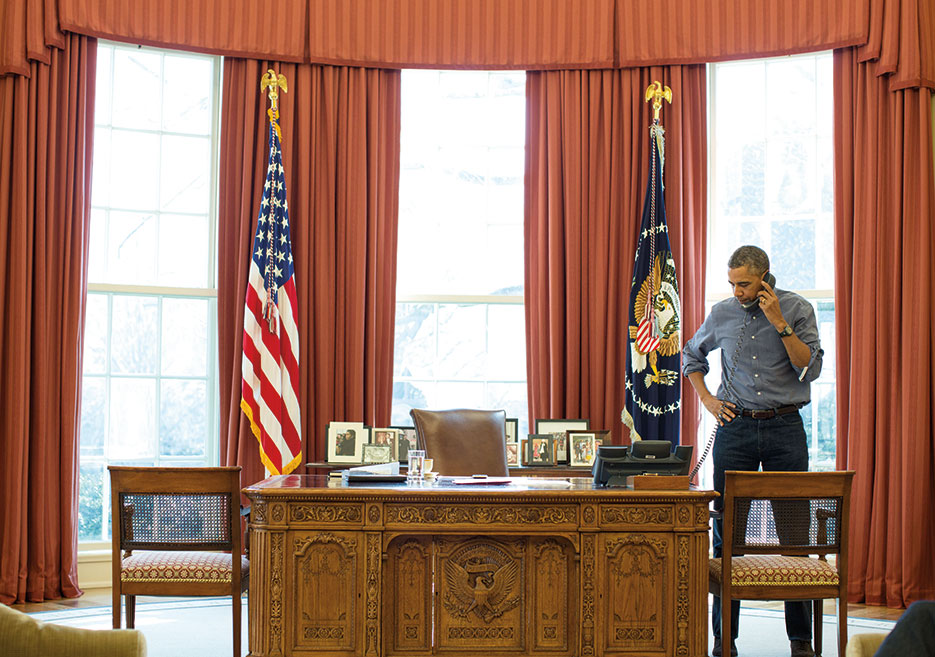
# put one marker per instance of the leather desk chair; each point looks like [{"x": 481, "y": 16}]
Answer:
[{"x": 463, "y": 442}]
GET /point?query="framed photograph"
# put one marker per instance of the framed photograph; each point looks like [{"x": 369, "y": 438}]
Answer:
[
  {"x": 346, "y": 441},
  {"x": 512, "y": 454},
  {"x": 523, "y": 450},
  {"x": 601, "y": 438},
  {"x": 386, "y": 436},
  {"x": 512, "y": 429},
  {"x": 558, "y": 428},
  {"x": 406, "y": 440},
  {"x": 541, "y": 449},
  {"x": 581, "y": 448},
  {"x": 377, "y": 453}
]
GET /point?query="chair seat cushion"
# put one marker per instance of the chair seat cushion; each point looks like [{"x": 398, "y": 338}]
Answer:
[
  {"x": 775, "y": 570},
  {"x": 179, "y": 567}
]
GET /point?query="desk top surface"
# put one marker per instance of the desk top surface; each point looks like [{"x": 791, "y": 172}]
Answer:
[{"x": 286, "y": 485}]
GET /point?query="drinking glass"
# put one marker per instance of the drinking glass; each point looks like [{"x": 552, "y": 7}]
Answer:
[{"x": 416, "y": 472}]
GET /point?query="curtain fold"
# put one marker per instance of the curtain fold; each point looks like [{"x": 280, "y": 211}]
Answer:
[
  {"x": 885, "y": 327},
  {"x": 341, "y": 158},
  {"x": 46, "y": 131},
  {"x": 587, "y": 147}
]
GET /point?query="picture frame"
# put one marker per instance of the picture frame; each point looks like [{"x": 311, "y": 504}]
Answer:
[
  {"x": 540, "y": 449},
  {"x": 407, "y": 439},
  {"x": 522, "y": 451},
  {"x": 558, "y": 429},
  {"x": 346, "y": 441},
  {"x": 601, "y": 438},
  {"x": 581, "y": 448},
  {"x": 512, "y": 454},
  {"x": 374, "y": 453},
  {"x": 386, "y": 436},
  {"x": 512, "y": 429}
]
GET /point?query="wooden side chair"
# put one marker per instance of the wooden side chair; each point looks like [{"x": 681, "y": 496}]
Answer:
[
  {"x": 463, "y": 442},
  {"x": 177, "y": 532},
  {"x": 773, "y": 522}
]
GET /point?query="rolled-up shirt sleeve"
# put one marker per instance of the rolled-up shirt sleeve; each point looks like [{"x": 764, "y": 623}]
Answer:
[
  {"x": 806, "y": 328},
  {"x": 695, "y": 351}
]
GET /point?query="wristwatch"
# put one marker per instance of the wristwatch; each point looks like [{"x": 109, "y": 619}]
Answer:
[{"x": 786, "y": 331}]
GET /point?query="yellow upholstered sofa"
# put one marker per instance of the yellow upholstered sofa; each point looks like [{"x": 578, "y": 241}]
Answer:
[
  {"x": 864, "y": 645},
  {"x": 21, "y": 635}
]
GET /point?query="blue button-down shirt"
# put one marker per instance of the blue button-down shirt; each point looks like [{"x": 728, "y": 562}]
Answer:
[{"x": 763, "y": 376}]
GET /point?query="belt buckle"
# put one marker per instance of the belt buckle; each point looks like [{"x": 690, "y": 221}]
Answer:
[{"x": 763, "y": 414}]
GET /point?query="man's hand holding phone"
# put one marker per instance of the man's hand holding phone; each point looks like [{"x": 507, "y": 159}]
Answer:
[{"x": 769, "y": 304}]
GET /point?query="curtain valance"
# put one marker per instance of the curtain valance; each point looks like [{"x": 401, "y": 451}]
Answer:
[{"x": 489, "y": 34}]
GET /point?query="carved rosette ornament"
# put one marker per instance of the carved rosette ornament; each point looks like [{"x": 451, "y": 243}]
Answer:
[
  {"x": 373, "y": 514},
  {"x": 684, "y": 514},
  {"x": 277, "y": 513},
  {"x": 588, "y": 514}
]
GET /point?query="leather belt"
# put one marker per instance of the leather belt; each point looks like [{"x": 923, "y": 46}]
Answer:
[{"x": 767, "y": 413}]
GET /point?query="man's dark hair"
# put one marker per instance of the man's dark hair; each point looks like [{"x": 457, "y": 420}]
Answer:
[{"x": 749, "y": 256}]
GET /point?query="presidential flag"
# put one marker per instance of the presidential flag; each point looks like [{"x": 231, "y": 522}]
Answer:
[
  {"x": 270, "y": 387},
  {"x": 651, "y": 410}
]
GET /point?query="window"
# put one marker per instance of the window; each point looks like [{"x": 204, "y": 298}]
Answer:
[
  {"x": 460, "y": 323},
  {"x": 149, "y": 379},
  {"x": 772, "y": 185}
]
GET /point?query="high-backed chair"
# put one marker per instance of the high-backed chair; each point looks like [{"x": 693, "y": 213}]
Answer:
[
  {"x": 21, "y": 635},
  {"x": 773, "y": 523},
  {"x": 463, "y": 442},
  {"x": 177, "y": 532}
]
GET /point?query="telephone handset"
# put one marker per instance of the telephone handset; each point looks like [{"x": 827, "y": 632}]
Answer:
[{"x": 770, "y": 280}]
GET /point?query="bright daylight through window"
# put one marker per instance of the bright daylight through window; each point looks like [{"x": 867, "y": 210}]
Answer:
[
  {"x": 772, "y": 185},
  {"x": 149, "y": 380},
  {"x": 460, "y": 327}
]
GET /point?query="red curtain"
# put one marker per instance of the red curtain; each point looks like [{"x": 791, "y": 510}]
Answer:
[
  {"x": 587, "y": 152},
  {"x": 340, "y": 130},
  {"x": 46, "y": 129},
  {"x": 884, "y": 286}
]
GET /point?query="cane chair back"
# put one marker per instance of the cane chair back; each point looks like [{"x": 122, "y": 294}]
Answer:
[
  {"x": 177, "y": 532},
  {"x": 779, "y": 529}
]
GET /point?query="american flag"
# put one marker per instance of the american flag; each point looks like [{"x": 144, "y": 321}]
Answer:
[{"x": 270, "y": 388}]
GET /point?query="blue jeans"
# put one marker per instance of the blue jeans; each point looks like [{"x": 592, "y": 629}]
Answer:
[{"x": 778, "y": 443}]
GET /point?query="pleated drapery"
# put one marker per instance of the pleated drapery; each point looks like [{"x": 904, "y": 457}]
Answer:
[
  {"x": 587, "y": 154},
  {"x": 340, "y": 131},
  {"x": 885, "y": 327},
  {"x": 46, "y": 129}
]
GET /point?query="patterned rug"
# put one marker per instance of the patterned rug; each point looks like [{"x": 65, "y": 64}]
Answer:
[{"x": 201, "y": 628}]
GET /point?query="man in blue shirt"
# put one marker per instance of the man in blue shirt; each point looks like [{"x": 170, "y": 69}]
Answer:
[{"x": 770, "y": 353}]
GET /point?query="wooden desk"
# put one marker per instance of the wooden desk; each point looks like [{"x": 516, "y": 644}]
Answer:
[
  {"x": 539, "y": 567},
  {"x": 560, "y": 470}
]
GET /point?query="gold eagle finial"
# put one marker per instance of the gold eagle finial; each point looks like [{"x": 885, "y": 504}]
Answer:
[
  {"x": 274, "y": 82},
  {"x": 656, "y": 92}
]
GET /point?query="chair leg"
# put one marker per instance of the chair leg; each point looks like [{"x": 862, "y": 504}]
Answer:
[
  {"x": 115, "y": 606},
  {"x": 131, "y": 611},
  {"x": 818, "y": 609},
  {"x": 726, "y": 629},
  {"x": 842, "y": 625},
  {"x": 235, "y": 606}
]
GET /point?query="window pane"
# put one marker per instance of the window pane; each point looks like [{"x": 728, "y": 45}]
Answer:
[
  {"x": 184, "y": 337},
  {"x": 462, "y": 348},
  {"x": 136, "y": 90},
  {"x": 91, "y": 496},
  {"x": 184, "y": 251},
  {"x": 187, "y": 96},
  {"x": 131, "y": 253},
  {"x": 414, "y": 355},
  {"x": 134, "y": 179},
  {"x": 183, "y": 418},
  {"x": 186, "y": 164},
  {"x": 95, "y": 334},
  {"x": 133, "y": 327},
  {"x": 506, "y": 342},
  {"x": 93, "y": 415},
  {"x": 132, "y": 430}
]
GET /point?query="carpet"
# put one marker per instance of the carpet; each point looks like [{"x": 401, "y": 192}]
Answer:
[{"x": 201, "y": 628}]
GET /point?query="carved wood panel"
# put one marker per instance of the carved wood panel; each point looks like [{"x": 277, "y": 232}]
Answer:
[
  {"x": 554, "y": 587},
  {"x": 407, "y": 595},
  {"x": 638, "y": 571},
  {"x": 325, "y": 571}
]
